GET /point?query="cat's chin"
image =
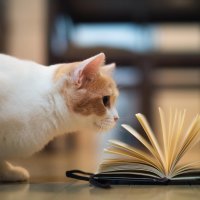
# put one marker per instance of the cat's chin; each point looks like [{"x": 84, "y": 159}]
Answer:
[{"x": 103, "y": 127}]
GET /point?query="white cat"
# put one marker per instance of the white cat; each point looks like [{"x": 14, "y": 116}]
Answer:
[{"x": 38, "y": 103}]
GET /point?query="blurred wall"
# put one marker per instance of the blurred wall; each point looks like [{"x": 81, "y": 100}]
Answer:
[
  {"x": 27, "y": 29},
  {"x": 26, "y": 38}
]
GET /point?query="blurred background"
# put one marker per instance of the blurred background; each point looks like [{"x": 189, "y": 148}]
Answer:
[{"x": 155, "y": 44}]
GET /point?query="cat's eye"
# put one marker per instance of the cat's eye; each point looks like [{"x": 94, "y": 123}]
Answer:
[{"x": 106, "y": 101}]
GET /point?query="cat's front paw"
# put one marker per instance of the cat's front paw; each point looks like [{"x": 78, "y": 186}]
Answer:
[{"x": 10, "y": 173}]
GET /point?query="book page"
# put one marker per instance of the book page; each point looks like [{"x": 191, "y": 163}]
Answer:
[
  {"x": 120, "y": 148},
  {"x": 151, "y": 136},
  {"x": 165, "y": 138},
  {"x": 189, "y": 140},
  {"x": 127, "y": 166},
  {"x": 140, "y": 138},
  {"x": 166, "y": 161},
  {"x": 175, "y": 136}
]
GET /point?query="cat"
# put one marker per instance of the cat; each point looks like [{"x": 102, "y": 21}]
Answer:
[{"x": 38, "y": 103}]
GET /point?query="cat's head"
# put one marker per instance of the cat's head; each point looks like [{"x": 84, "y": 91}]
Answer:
[{"x": 90, "y": 93}]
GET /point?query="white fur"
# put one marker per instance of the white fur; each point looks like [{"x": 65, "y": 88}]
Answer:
[{"x": 32, "y": 110}]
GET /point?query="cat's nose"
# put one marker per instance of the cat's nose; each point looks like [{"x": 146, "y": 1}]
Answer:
[{"x": 116, "y": 118}]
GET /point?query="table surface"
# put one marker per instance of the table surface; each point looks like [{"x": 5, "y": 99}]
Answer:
[
  {"x": 80, "y": 190},
  {"x": 48, "y": 181}
]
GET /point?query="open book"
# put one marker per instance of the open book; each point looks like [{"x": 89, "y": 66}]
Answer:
[
  {"x": 163, "y": 160},
  {"x": 164, "y": 156}
]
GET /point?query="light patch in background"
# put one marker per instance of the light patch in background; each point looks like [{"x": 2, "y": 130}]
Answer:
[
  {"x": 177, "y": 37},
  {"x": 116, "y": 35},
  {"x": 180, "y": 99}
]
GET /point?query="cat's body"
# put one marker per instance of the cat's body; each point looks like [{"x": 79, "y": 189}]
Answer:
[
  {"x": 38, "y": 103},
  {"x": 29, "y": 106}
]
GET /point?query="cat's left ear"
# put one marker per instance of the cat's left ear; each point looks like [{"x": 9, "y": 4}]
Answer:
[{"x": 87, "y": 69}]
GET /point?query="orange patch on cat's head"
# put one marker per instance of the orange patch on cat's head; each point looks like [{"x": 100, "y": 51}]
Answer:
[
  {"x": 89, "y": 99},
  {"x": 87, "y": 84}
]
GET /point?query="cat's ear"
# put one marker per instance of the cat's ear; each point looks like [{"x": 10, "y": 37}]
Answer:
[
  {"x": 108, "y": 69},
  {"x": 87, "y": 69}
]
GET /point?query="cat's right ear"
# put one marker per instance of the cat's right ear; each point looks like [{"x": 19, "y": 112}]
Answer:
[
  {"x": 87, "y": 69},
  {"x": 108, "y": 69}
]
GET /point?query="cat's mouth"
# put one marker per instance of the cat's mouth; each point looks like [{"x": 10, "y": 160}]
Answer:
[{"x": 104, "y": 125}]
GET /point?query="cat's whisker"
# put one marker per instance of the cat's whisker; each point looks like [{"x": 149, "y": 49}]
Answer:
[
  {"x": 124, "y": 118},
  {"x": 130, "y": 115},
  {"x": 99, "y": 129}
]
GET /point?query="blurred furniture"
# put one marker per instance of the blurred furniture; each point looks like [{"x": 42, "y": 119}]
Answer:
[
  {"x": 2, "y": 27},
  {"x": 139, "y": 11},
  {"x": 135, "y": 11}
]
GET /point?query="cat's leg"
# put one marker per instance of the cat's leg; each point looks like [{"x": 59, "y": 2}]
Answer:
[{"x": 11, "y": 173}]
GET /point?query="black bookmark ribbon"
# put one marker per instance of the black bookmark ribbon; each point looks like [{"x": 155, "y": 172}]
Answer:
[{"x": 85, "y": 176}]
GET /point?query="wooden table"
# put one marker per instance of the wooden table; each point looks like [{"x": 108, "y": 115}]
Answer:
[
  {"x": 80, "y": 190},
  {"x": 48, "y": 182}
]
